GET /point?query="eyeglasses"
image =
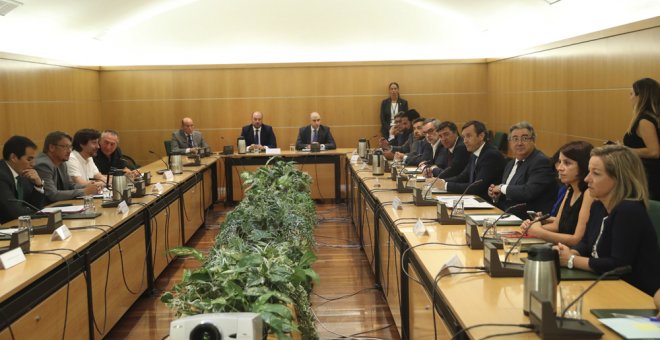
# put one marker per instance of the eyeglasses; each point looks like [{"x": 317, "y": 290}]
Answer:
[
  {"x": 70, "y": 147},
  {"x": 523, "y": 139}
]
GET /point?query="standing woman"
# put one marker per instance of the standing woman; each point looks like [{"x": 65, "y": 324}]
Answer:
[
  {"x": 390, "y": 107},
  {"x": 619, "y": 230},
  {"x": 642, "y": 137}
]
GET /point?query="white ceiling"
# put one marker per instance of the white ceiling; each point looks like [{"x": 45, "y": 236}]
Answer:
[{"x": 171, "y": 32}]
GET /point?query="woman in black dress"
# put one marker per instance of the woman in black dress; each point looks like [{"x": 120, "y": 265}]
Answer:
[
  {"x": 571, "y": 221},
  {"x": 642, "y": 137},
  {"x": 390, "y": 107}
]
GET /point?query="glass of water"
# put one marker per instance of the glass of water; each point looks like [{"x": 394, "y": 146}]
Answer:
[
  {"x": 88, "y": 204},
  {"x": 490, "y": 228},
  {"x": 25, "y": 222}
]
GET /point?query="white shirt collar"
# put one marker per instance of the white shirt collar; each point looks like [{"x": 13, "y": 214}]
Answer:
[{"x": 478, "y": 151}]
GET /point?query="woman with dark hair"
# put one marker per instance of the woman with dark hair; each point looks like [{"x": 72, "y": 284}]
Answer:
[
  {"x": 390, "y": 107},
  {"x": 619, "y": 230},
  {"x": 570, "y": 223},
  {"x": 642, "y": 136}
]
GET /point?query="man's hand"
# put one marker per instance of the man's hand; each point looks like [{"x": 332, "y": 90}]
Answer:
[
  {"x": 33, "y": 176},
  {"x": 494, "y": 190}
]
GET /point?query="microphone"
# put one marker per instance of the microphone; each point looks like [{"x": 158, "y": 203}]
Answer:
[
  {"x": 463, "y": 194},
  {"x": 538, "y": 219},
  {"x": 436, "y": 178},
  {"x": 27, "y": 204},
  {"x": 618, "y": 271},
  {"x": 502, "y": 215},
  {"x": 167, "y": 166}
]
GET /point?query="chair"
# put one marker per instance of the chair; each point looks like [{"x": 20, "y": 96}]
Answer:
[
  {"x": 168, "y": 147},
  {"x": 500, "y": 141},
  {"x": 654, "y": 213},
  {"x": 130, "y": 162}
]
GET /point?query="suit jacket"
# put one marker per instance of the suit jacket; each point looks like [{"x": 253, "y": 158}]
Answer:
[
  {"x": 416, "y": 152},
  {"x": 403, "y": 142},
  {"x": 459, "y": 160},
  {"x": 489, "y": 167},
  {"x": 267, "y": 136},
  {"x": 57, "y": 183},
  {"x": 428, "y": 155},
  {"x": 533, "y": 183},
  {"x": 12, "y": 210},
  {"x": 386, "y": 114},
  {"x": 180, "y": 141},
  {"x": 324, "y": 137}
]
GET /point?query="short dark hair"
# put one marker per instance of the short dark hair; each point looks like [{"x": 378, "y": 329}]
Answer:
[
  {"x": 412, "y": 114},
  {"x": 83, "y": 136},
  {"x": 580, "y": 152},
  {"x": 417, "y": 120},
  {"x": 450, "y": 125},
  {"x": 479, "y": 127},
  {"x": 53, "y": 138},
  {"x": 16, "y": 145}
]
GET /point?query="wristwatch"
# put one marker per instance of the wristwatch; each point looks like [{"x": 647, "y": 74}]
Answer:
[{"x": 569, "y": 264}]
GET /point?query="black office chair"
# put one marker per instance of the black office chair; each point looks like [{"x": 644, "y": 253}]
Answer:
[
  {"x": 168, "y": 147},
  {"x": 130, "y": 162},
  {"x": 500, "y": 142},
  {"x": 654, "y": 213}
]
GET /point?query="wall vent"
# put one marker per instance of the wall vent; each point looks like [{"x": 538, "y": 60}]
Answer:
[{"x": 7, "y": 6}]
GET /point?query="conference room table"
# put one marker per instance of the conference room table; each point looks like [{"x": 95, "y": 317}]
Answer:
[
  {"x": 80, "y": 287},
  {"x": 324, "y": 167},
  {"x": 457, "y": 301}
]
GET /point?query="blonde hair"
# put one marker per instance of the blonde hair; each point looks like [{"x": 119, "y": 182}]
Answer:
[{"x": 626, "y": 168}]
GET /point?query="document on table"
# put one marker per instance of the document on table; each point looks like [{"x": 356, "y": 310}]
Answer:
[
  {"x": 469, "y": 202},
  {"x": 67, "y": 209},
  {"x": 634, "y": 328}
]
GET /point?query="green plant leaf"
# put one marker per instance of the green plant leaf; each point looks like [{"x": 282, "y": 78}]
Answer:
[{"x": 187, "y": 251}]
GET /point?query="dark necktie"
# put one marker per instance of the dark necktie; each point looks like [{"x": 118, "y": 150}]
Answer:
[
  {"x": 450, "y": 157},
  {"x": 257, "y": 139},
  {"x": 19, "y": 188},
  {"x": 315, "y": 136},
  {"x": 473, "y": 168},
  {"x": 190, "y": 141}
]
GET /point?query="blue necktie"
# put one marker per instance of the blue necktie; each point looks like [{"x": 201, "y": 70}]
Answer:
[
  {"x": 190, "y": 141},
  {"x": 315, "y": 136},
  {"x": 257, "y": 138},
  {"x": 473, "y": 167}
]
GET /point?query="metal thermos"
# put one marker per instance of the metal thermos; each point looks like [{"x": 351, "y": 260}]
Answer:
[
  {"x": 242, "y": 148},
  {"x": 119, "y": 184},
  {"x": 176, "y": 165},
  {"x": 363, "y": 146},
  {"x": 378, "y": 163},
  {"x": 541, "y": 274}
]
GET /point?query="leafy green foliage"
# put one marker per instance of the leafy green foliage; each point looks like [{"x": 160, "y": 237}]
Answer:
[{"x": 262, "y": 258}]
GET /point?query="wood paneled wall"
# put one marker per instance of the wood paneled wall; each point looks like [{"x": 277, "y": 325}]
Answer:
[
  {"x": 145, "y": 106},
  {"x": 577, "y": 92},
  {"x": 37, "y": 98}
]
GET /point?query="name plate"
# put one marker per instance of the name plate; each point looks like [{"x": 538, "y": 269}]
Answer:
[{"x": 11, "y": 258}]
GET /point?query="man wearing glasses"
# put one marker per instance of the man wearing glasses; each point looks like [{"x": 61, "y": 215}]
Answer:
[
  {"x": 51, "y": 167},
  {"x": 528, "y": 178}
]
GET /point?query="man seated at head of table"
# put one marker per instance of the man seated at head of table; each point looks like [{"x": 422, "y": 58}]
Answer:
[
  {"x": 110, "y": 155},
  {"x": 315, "y": 133},
  {"x": 18, "y": 179},
  {"x": 619, "y": 229},
  {"x": 187, "y": 139},
  {"x": 453, "y": 157},
  {"x": 258, "y": 136},
  {"x": 486, "y": 164},
  {"x": 414, "y": 157},
  {"x": 403, "y": 140},
  {"x": 570, "y": 223},
  {"x": 528, "y": 178},
  {"x": 82, "y": 169},
  {"x": 51, "y": 165}
]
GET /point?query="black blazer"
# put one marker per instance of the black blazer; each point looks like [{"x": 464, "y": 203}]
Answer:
[
  {"x": 428, "y": 155},
  {"x": 386, "y": 114},
  {"x": 305, "y": 136},
  {"x": 267, "y": 136},
  {"x": 489, "y": 168},
  {"x": 12, "y": 210},
  {"x": 459, "y": 160},
  {"x": 534, "y": 183}
]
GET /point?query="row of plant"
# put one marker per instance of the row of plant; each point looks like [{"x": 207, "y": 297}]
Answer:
[{"x": 262, "y": 257}]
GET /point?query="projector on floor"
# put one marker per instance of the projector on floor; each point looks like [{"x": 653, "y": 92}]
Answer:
[{"x": 216, "y": 326}]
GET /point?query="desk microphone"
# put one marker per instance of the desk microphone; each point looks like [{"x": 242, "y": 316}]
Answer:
[
  {"x": 505, "y": 212},
  {"x": 463, "y": 194},
  {"x": 436, "y": 178},
  {"x": 618, "y": 271},
  {"x": 537, "y": 219},
  {"x": 167, "y": 166},
  {"x": 27, "y": 204}
]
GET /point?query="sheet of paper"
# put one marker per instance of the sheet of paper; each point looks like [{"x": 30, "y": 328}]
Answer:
[
  {"x": 68, "y": 209},
  {"x": 639, "y": 328}
]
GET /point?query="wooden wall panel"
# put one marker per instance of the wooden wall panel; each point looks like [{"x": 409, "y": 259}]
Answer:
[
  {"x": 36, "y": 99},
  {"x": 146, "y": 106},
  {"x": 577, "y": 92}
]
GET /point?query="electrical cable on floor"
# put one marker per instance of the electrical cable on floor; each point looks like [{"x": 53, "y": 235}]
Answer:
[
  {"x": 403, "y": 255},
  {"x": 491, "y": 325}
]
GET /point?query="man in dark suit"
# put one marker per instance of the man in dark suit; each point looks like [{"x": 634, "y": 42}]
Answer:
[
  {"x": 403, "y": 140},
  {"x": 433, "y": 146},
  {"x": 18, "y": 179},
  {"x": 52, "y": 168},
  {"x": 258, "y": 136},
  {"x": 486, "y": 163},
  {"x": 453, "y": 156},
  {"x": 417, "y": 147},
  {"x": 528, "y": 178},
  {"x": 187, "y": 139},
  {"x": 315, "y": 133}
]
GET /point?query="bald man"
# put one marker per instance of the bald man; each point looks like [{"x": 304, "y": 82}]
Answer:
[
  {"x": 258, "y": 136},
  {"x": 187, "y": 139},
  {"x": 315, "y": 132}
]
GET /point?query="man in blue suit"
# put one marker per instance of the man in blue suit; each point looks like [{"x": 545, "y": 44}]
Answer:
[
  {"x": 18, "y": 179},
  {"x": 258, "y": 136},
  {"x": 315, "y": 133},
  {"x": 528, "y": 178}
]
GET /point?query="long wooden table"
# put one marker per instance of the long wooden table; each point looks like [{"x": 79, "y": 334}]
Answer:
[
  {"x": 104, "y": 268},
  {"x": 324, "y": 167},
  {"x": 455, "y": 302}
]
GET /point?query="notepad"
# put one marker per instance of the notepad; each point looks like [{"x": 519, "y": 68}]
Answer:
[{"x": 638, "y": 328}]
